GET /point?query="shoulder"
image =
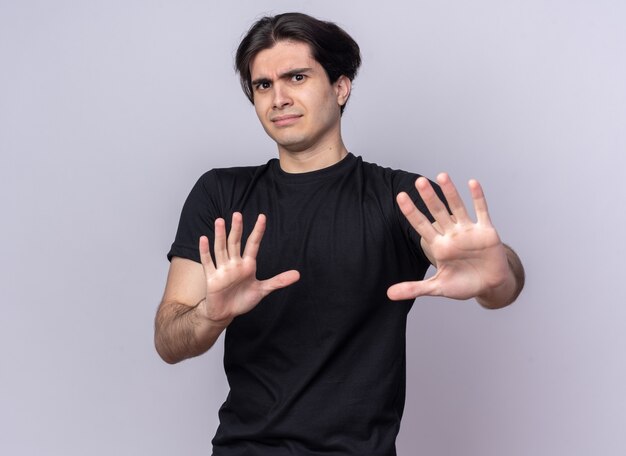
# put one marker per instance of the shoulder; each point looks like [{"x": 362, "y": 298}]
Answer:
[
  {"x": 233, "y": 173},
  {"x": 229, "y": 177},
  {"x": 397, "y": 179}
]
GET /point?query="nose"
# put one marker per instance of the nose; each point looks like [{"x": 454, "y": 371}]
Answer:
[{"x": 282, "y": 98}]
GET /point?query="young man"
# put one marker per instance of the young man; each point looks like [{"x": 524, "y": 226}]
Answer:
[{"x": 315, "y": 315}]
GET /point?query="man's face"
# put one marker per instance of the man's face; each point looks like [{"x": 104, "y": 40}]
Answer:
[{"x": 296, "y": 103}]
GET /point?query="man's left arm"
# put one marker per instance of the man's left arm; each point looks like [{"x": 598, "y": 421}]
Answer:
[
  {"x": 470, "y": 258},
  {"x": 508, "y": 292}
]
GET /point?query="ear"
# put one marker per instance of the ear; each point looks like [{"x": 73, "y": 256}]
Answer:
[{"x": 342, "y": 87}]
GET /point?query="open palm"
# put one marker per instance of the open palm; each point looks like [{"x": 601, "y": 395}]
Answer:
[
  {"x": 231, "y": 283},
  {"x": 469, "y": 256}
]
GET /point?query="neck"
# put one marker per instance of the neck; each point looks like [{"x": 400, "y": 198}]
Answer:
[{"x": 311, "y": 159}]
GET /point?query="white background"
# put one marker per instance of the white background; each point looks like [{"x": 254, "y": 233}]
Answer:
[{"x": 109, "y": 112}]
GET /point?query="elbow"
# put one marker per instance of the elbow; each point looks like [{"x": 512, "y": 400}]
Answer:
[
  {"x": 165, "y": 354},
  {"x": 163, "y": 348}
]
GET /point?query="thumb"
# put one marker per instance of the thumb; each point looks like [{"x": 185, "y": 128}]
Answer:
[
  {"x": 281, "y": 280},
  {"x": 411, "y": 290}
]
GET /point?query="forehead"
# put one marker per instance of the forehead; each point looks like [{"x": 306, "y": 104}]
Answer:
[{"x": 282, "y": 57}]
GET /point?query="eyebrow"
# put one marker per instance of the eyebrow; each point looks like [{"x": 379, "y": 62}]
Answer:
[{"x": 285, "y": 75}]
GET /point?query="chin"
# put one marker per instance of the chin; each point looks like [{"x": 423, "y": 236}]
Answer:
[
  {"x": 294, "y": 147},
  {"x": 292, "y": 144}
]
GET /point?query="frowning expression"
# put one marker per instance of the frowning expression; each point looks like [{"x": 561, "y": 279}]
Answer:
[{"x": 296, "y": 103}]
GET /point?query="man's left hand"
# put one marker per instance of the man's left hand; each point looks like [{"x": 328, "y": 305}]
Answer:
[{"x": 471, "y": 260}]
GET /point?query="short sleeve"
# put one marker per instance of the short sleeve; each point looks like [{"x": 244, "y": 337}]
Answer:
[
  {"x": 405, "y": 182},
  {"x": 197, "y": 218}
]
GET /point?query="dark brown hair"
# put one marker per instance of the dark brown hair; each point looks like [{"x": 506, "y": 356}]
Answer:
[{"x": 330, "y": 45}]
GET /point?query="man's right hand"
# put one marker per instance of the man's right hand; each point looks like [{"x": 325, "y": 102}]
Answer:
[
  {"x": 232, "y": 288},
  {"x": 201, "y": 300}
]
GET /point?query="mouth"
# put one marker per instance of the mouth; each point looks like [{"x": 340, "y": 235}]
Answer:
[{"x": 284, "y": 120}]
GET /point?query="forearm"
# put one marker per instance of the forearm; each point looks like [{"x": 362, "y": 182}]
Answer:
[
  {"x": 181, "y": 331},
  {"x": 510, "y": 289}
]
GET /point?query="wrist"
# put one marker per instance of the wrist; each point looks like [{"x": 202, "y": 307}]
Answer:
[
  {"x": 500, "y": 295},
  {"x": 203, "y": 312},
  {"x": 507, "y": 292}
]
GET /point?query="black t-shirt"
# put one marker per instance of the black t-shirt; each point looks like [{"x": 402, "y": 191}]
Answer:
[{"x": 317, "y": 368}]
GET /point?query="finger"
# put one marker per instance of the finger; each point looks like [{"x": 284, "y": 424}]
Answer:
[
  {"x": 457, "y": 207},
  {"x": 434, "y": 204},
  {"x": 205, "y": 255},
  {"x": 480, "y": 202},
  {"x": 418, "y": 221},
  {"x": 412, "y": 290},
  {"x": 281, "y": 280},
  {"x": 254, "y": 240},
  {"x": 234, "y": 237},
  {"x": 219, "y": 246}
]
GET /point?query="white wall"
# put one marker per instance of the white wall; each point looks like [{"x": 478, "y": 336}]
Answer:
[{"x": 109, "y": 111}]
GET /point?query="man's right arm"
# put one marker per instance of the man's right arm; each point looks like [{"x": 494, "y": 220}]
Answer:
[
  {"x": 200, "y": 300},
  {"x": 181, "y": 329}
]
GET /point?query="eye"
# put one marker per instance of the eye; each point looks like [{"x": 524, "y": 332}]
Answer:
[
  {"x": 298, "y": 77},
  {"x": 263, "y": 85}
]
